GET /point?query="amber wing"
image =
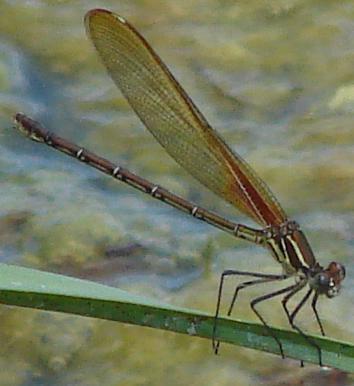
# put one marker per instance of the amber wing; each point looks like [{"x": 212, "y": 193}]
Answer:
[{"x": 171, "y": 116}]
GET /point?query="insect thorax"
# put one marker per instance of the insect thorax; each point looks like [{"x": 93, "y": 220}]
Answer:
[{"x": 290, "y": 248}]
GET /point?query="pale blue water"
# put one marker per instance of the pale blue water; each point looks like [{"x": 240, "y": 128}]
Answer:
[{"x": 275, "y": 78}]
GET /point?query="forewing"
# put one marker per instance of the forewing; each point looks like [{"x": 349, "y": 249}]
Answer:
[{"x": 171, "y": 116}]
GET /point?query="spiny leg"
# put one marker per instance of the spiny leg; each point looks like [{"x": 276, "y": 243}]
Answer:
[
  {"x": 216, "y": 343},
  {"x": 238, "y": 288},
  {"x": 261, "y": 278},
  {"x": 313, "y": 305},
  {"x": 250, "y": 283},
  {"x": 298, "y": 287},
  {"x": 287, "y": 297},
  {"x": 271, "y": 295},
  {"x": 291, "y": 317}
]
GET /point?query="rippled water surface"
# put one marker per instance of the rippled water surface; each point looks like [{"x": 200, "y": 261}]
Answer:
[{"x": 274, "y": 77}]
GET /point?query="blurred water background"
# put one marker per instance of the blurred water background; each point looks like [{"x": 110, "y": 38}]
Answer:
[{"x": 274, "y": 77}]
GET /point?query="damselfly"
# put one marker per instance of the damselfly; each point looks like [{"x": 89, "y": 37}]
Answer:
[{"x": 172, "y": 117}]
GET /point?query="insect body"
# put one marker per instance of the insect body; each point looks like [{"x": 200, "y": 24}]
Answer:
[{"x": 172, "y": 117}]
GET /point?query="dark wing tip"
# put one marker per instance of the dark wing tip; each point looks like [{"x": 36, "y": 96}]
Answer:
[
  {"x": 97, "y": 11},
  {"x": 98, "y": 15}
]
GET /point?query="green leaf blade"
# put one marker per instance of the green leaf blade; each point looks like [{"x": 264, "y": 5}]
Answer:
[{"x": 51, "y": 292}]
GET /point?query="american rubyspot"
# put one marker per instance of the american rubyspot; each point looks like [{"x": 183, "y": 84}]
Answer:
[{"x": 171, "y": 116}]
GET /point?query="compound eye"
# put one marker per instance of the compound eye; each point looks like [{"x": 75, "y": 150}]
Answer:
[
  {"x": 341, "y": 271},
  {"x": 336, "y": 270},
  {"x": 323, "y": 280}
]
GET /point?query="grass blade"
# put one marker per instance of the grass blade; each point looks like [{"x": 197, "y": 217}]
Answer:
[{"x": 52, "y": 292}]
